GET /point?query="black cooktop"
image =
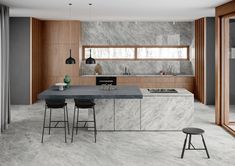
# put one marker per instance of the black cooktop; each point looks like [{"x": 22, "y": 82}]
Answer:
[{"x": 158, "y": 90}]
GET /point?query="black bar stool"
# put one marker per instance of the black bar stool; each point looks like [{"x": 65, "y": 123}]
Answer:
[
  {"x": 83, "y": 104},
  {"x": 56, "y": 104},
  {"x": 190, "y": 132}
]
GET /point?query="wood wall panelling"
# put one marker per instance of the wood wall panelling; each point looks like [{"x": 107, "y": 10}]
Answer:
[
  {"x": 199, "y": 59},
  {"x": 58, "y": 38},
  {"x": 225, "y": 9},
  {"x": 221, "y": 11},
  {"x": 36, "y": 69},
  {"x": 186, "y": 82},
  {"x": 50, "y": 42}
]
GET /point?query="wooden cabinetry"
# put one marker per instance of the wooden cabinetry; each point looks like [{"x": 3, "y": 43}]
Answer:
[{"x": 186, "y": 82}]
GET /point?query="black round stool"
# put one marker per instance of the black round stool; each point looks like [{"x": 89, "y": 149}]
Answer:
[{"x": 190, "y": 132}]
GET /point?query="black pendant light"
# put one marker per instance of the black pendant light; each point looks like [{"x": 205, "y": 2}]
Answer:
[
  {"x": 90, "y": 60},
  {"x": 70, "y": 60}
]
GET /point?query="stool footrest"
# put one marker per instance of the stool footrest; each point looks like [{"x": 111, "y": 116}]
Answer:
[
  {"x": 53, "y": 127},
  {"x": 196, "y": 149},
  {"x": 84, "y": 127}
]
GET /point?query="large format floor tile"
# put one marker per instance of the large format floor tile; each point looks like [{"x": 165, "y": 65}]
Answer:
[{"x": 20, "y": 144}]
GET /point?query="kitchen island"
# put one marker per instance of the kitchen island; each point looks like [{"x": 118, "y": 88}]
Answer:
[
  {"x": 156, "y": 111},
  {"x": 130, "y": 108}
]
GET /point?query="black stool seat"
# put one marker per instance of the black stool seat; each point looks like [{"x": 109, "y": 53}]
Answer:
[
  {"x": 83, "y": 103},
  {"x": 55, "y": 103},
  {"x": 193, "y": 131},
  {"x": 58, "y": 105}
]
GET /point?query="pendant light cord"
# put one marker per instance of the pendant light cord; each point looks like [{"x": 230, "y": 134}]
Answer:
[
  {"x": 90, "y": 5},
  {"x": 70, "y": 11}
]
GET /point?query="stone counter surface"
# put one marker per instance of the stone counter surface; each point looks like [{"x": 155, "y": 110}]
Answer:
[
  {"x": 180, "y": 92},
  {"x": 92, "y": 92}
]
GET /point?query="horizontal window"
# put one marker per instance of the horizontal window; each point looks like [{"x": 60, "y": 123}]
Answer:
[
  {"x": 110, "y": 53},
  {"x": 136, "y": 52},
  {"x": 162, "y": 53}
]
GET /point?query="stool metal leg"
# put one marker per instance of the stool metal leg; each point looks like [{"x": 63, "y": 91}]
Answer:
[
  {"x": 182, "y": 154},
  {"x": 73, "y": 122},
  {"x": 205, "y": 146},
  {"x": 50, "y": 123},
  {"x": 67, "y": 119},
  {"x": 43, "y": 124},
  {"x": 95, "y": 132},
  {"x": 77, "y": 121},
  {"x": 65, "y": 128},
  {"x": 189, "y": 141}
]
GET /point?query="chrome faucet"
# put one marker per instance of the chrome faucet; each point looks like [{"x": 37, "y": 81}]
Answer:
[{"x": 126, "y": 71}]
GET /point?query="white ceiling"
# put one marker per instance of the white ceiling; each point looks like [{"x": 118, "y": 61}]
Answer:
[{"x": 115, "y": 10}]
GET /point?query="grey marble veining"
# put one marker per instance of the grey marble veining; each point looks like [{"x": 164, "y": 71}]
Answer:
[
  {"x": 156, "y": 111},
  {"x": 127, "y": 114},
  {"x": 137, "y": 33},
  {"x": 20, "y": 143},
  {"x": 139, "y": 67},
  {"x": 166, "y": 113},
  {"x": 104, "y": 114}
]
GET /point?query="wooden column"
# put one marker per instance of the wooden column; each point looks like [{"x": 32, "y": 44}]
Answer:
[
  {"x": 36, "y": 59},
  {"x": 221, "y": 12},
  {"x": 200, "y": 59}
]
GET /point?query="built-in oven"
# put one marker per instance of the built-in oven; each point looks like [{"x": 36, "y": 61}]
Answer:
[{"x": 106, "y": 80}]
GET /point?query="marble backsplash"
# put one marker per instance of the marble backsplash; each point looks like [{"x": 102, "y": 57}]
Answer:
[
  {"x": 139, "y": 67},
  {"x": 137, "y": 33}
]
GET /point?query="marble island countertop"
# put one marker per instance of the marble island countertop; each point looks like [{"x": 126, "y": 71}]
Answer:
[{"x": 180, "y": 92}]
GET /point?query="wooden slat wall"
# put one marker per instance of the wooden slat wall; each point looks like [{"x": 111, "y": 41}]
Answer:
[
  {"x": 199, "y": 59},
  {"x": 36, "y": 58},
  {"x": 57, "y": 40}
]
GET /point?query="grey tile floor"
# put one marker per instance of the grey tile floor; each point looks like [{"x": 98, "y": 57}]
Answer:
[{"x": 20, "y": 144}]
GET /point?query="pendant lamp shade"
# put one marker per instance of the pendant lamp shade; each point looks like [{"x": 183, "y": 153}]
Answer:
[
  {"x": 70, "y": 60},
  {"x": 90, "y": 60}
]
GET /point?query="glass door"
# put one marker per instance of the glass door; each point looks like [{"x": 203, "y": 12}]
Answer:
[{"x": 228, "y": 72}]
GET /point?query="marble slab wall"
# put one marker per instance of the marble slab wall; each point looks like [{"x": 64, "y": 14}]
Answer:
[
  {"x": 139, "y": 67},
  {"x": 139, "y": 33}
]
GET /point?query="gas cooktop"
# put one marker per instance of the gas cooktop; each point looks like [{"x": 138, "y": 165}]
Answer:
[{"x": 158, "y": 90}]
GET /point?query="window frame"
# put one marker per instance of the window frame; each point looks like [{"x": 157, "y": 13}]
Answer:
[{"x": 136, "y": 51}]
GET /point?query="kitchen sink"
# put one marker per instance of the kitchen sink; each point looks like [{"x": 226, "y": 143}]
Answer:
[{"x": 162, "y": 90}]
